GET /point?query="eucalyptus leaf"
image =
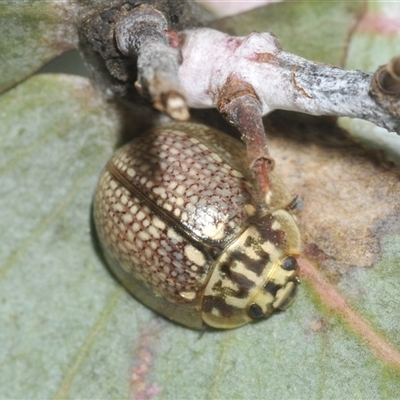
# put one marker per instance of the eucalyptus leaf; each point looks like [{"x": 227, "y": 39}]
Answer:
[
  {"x": 56, "y": 295},
  {"x": 68, "y": 330},
  {"x": 32, "y": 33},
  {"x": 317, "y": 30},
  {"x": 72, "y": 332}
]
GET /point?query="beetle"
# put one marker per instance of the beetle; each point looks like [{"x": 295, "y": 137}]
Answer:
[{"x": 177, "y": 221}]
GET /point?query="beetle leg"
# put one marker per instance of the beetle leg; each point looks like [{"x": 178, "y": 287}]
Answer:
[{"x": 240, "y": 105}]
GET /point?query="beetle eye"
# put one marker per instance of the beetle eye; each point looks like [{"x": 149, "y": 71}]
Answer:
[
  {"x": 289, "y": 264},
  {"x": 255, "y": 311}
]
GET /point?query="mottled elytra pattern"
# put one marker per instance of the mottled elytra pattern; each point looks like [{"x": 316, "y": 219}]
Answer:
[
  {"x": 188, "y": 181},
  {"x": 145, "y": 245},
  {"x": 176, "y": 218},
  {"x": 159, "y": 197}
]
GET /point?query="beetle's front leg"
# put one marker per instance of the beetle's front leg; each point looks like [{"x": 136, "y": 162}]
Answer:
[{"x": 239, "y": 104}]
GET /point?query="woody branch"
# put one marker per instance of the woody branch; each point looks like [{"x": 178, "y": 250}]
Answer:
[
  {"x": 246, "y": 78},
  {"x": 281, "y": 80},
  {"x": 203, "y": 68}
]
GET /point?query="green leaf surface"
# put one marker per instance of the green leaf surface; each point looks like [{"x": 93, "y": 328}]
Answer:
[
  {"x": 68, "y": 330},
  {"x": 32, "y": 33},
  {"x": 72, "y": 332},
  {"x": 317, "y": 30}
]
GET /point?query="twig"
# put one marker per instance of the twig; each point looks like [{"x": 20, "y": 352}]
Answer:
[
  {"x": 281, "y": 80},
  {"x": 143, "y": 32}
]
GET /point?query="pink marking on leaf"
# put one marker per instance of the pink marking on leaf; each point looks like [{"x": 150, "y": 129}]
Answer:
[
  {"x": 379, "y": 24},
  {"x": 336, "y": 302}
]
